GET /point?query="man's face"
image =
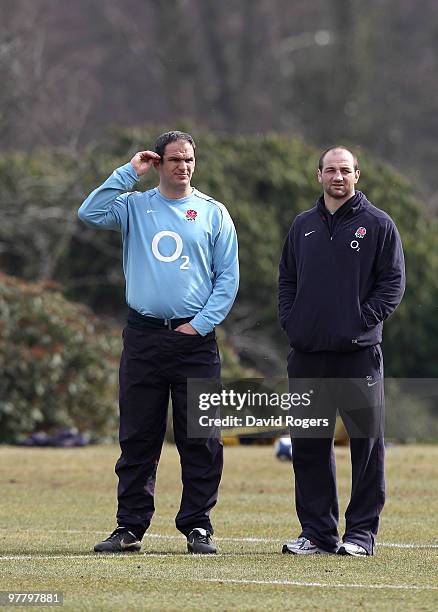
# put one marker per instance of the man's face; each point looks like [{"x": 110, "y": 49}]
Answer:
[
  {"x": 338, "y": 176},
  {"x": 177, "y": 165}
]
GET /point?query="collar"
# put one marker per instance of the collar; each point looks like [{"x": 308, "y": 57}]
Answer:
[{"x": 350, "y": 206}]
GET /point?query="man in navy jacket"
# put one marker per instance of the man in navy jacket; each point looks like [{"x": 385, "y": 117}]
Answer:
[{"x": 341, "y": 275}]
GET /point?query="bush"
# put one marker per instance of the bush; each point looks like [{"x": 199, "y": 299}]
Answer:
[{"x": 58, "y": 362}]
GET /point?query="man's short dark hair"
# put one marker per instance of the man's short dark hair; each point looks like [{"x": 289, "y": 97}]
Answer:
[
  {"x": 163, "y": 140},
  {"x": 321, "y": 159}
]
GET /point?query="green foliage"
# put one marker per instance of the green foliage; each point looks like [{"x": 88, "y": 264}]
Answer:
[
  {"x": 410, "y": 335},
  {"x": 231, "y": 366},
  {"x": 58, "y": 364},
  {"x": 264, "y": 180}
]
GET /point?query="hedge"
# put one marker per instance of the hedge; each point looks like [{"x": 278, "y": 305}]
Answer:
[{"x": 58, "y": 363}]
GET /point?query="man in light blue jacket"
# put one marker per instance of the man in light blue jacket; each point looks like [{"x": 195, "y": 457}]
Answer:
[{"x": 180, "y": 262}]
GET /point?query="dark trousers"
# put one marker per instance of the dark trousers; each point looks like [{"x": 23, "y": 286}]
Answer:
[
  {"x": 156, "y": 363},
  {"x": 314, "y": 461}
]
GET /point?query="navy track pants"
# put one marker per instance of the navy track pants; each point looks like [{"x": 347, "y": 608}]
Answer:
[
  {"x": 314, "y": 460},
  {"x": 156, "y": 363}
]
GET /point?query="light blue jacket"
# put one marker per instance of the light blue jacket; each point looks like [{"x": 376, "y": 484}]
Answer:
[{"x": 180, "y": 257}]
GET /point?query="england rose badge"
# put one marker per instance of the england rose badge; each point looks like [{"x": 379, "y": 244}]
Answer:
[{"x": 191, "y": 215}]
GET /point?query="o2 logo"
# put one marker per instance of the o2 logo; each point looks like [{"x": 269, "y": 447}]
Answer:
[
  {"x": 360, "y": 233},
  {"x": 177, "y": 252}
]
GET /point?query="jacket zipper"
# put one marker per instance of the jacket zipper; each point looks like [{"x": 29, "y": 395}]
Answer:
[{"x": 338, "y": 227}]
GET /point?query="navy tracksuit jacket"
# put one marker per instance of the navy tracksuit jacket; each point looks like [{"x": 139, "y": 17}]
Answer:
[{"x": 340, "y": 277}]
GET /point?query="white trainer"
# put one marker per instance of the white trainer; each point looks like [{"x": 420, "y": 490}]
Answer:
[{"x": 302, "y": 546}]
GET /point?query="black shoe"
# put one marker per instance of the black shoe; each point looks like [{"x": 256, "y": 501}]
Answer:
[
  {"x": 121, "y": 540},
  {"x": 199, "y": 542}
]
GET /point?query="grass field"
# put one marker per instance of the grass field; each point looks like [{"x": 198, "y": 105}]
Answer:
[{"x": 55, "y": 504}]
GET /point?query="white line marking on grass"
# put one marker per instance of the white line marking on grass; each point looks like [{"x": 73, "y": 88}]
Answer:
[
  {"x": 277, "y": 541},
  {"x": 407, "y": 545},
  {"x": 124, "y": 556},
  {"x": 296, "y": 583},
  {"x": 322, "y": 585},
  {"x": 400, "y": 545}
]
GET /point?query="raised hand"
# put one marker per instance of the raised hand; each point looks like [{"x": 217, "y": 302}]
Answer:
[{"x": 143, "y": 160}]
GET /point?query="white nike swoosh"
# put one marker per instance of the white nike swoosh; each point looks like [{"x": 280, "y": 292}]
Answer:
[
  {"x": 125, "y": 545},
  {"x": 308, "y": 233},
  {"x": 149, "y": 211},
  {"x": 372, "y": 384}
]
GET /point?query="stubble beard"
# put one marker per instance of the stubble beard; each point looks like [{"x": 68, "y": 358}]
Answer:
[{"x": 336, "y": 193}]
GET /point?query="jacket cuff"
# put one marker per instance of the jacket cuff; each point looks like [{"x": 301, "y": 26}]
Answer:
[
  {"x": 364, "y": 321},
  {"x": 128, "y": 171},
  {"x": 202, "y": 326}
]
